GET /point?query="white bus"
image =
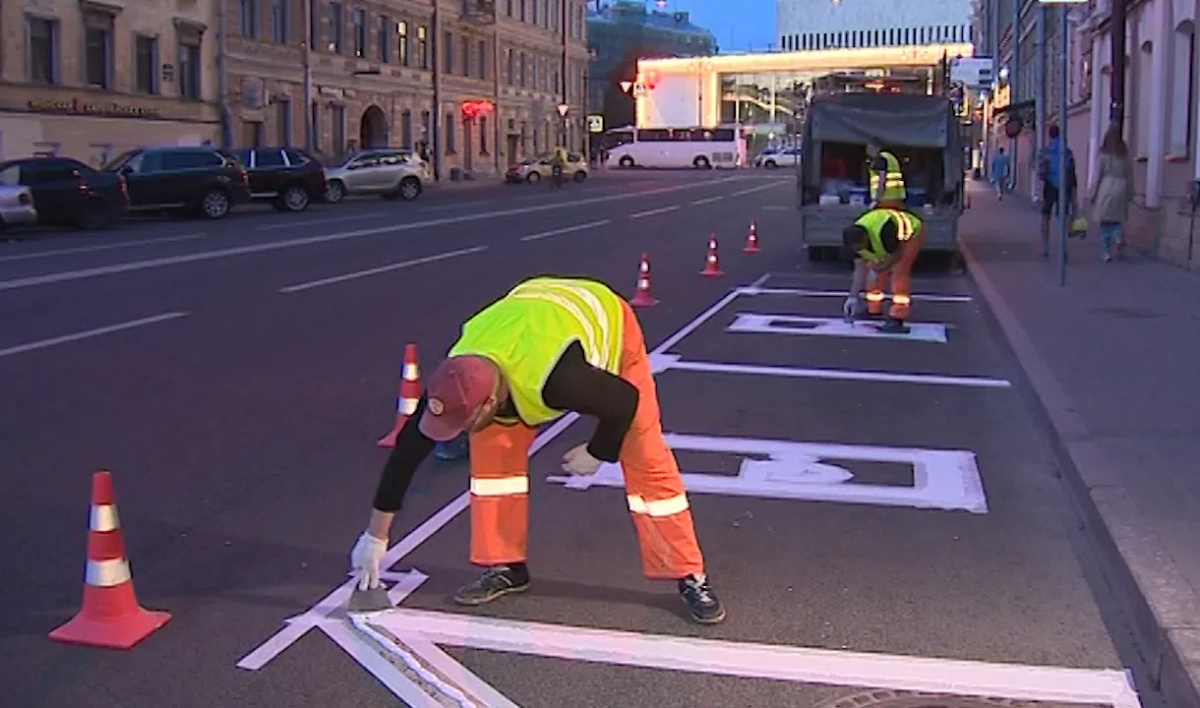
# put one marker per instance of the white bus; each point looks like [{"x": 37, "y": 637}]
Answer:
[{"x": 701, "y": 148}]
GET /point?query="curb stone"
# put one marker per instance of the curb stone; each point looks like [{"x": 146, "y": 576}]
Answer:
[{"x": 1148, "y": 586}]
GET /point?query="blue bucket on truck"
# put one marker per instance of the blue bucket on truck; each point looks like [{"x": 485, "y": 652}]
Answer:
[{"x": 914, "y": 197}]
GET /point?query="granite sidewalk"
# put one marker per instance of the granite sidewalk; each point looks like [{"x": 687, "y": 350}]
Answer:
[{"x": 1114, "y": 357}]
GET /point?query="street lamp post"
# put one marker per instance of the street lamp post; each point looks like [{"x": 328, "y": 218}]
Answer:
[{"x": 563, "y": 110}]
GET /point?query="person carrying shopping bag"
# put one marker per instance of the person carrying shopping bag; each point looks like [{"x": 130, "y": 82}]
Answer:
[{"x": 1111, "y": 193}]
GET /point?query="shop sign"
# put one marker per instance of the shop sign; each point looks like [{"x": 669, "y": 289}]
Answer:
[{"x": 77, "y": 106}]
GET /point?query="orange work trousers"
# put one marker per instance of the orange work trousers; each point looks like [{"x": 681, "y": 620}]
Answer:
[
  {"x": 900, "y": 275},
  {"x": 654, "y": 488}
]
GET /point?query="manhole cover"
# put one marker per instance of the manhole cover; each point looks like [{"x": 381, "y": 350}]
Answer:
[
  {"x": 1130, "y": 313},
  {"x": 908, "y": 699}
]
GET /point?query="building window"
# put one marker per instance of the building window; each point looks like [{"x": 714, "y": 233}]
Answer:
[
  {"x": 450, "y": 133},
  {"x": 284, "y": 122},
  {"x": 97, "y": 42},
  {"x": 279, "y": 21},
  {"x": 145, "y": 63},
  {"x": 448, "y": 52},
  {"x": 406, "y": 127},
  {"x": 189, "y": 68},
  {"x": 423, "y": 46},
  {"x": 483, "y": 135},
  {"x": 338, "y": 120},
  {"x": 509, "y": 65},
  {"x": 521, "y": 71},
  {"x": 314, "y": 25},
  {"x": 358, "y": 21},
  {"x": 385, "y": 39},
  {"x": 533, "y": 12},
  {"x": 402, "y": 42},
  {"x": 522, "y": 10},
  {"x": 466, "y": 57},
  {"x": 315, "y": 137},
  {"x": 43, "y": 51},
  {"x": 249, "y": 19},
  {"x": 508, "y": 8},
  {"x": 335, "y": 27},
  {"x": 426, "y": 127},
  {"x": 483, "y": 59}
]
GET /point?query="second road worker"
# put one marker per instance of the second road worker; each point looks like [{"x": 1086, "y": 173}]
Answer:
[
  {"x": 887, "y": 179},
  {"x": 884, "y": 244},
  {"x": 551, "y": 345}
]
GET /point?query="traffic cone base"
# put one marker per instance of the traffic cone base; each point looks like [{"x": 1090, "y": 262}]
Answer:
[
  {"x": 117, "y": 632},
  {"x": 643, "y": 299}
]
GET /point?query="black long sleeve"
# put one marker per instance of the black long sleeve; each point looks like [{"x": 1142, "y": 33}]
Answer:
[
  {"x": 575, "y": 385},
  {"x": 410, "y": 451}
]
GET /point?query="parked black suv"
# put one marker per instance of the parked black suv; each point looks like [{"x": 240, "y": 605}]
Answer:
[
  {"x": 69, "y": 193},
  {"x": 289, "y": 178},
  {"x": 202, "y": 180}
]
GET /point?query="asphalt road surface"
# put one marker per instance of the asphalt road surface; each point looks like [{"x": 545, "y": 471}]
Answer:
[{"x": 882, "y": 517}]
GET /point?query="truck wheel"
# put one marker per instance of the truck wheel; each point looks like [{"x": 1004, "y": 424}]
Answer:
[{"x": 626, "y": 162}]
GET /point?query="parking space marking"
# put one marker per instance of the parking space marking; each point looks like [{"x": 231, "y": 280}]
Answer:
[
  {"x": 299, "y": 287},
  {"x": 707, "y": 200},
  {"x": 654, "y": 212},
  {"x": 89, "y": 333},
  {"x": 756, "y": 323},
  {"x": 103, "y": 247},
  {"x": 1016, "y": 682},
  {"x": 802, "y": 292},
  {"x": 946, "y": 480},
  {"x": 752, "y": 190},
  {"x": 669, "y": 362},
  {"x": 298, "y": 222},
  {"x": 566, "y": 230}
]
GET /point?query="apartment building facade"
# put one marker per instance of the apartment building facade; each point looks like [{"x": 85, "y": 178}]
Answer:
[
  {"x": 476, "y": 83},
  {"x": 91, "y": 78}
]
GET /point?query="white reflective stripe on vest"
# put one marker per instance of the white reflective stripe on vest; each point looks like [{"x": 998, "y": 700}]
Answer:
[
  {"x": 597, "y": 344},
  {"x": 500, "y": 486},
  {"x": 106, "y": 574},
  {"x": 662, "y": 507},
  {"x": 904, "y": 225}
]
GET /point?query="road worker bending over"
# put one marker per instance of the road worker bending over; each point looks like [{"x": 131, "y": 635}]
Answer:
[
  {"x": 884, "y": 244},
  {"x": 551, "y": 345}
]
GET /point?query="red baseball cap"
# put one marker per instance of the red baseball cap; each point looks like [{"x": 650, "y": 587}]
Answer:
[{"x": 458, "y": 387}]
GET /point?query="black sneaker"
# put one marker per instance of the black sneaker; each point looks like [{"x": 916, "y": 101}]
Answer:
[
  {"x": 700, "y": 598},
  {"x": 894, "y": 326},
  {"x": 493, "y": 584}
]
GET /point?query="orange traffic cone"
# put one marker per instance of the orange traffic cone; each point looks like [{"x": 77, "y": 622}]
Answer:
[
  {"x": 643, "y": 298},
  {"x": 752, "y": 239},
  {"x": 712, "y": 266},
  {"x": 111, "y": 616},
  {"x": 409, "y": 395}
]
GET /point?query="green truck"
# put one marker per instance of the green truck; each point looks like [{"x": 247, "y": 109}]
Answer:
[{"x": 833, "y": 173}]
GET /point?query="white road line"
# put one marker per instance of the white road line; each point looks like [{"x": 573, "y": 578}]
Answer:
[
  {"x": 775, "y": 207},
  {"x": 370, "y": 659},
  {"x": 752, "y": 190},
  {"x": 103, "y": 247},
  {"x": 338, "y": 597},
  {"x": 835, "y": 374},
  {"x": 300, "y": 222},
  {"x": 328, "y": 238},
  {"x": 757, "y": 290},
  {"x": 778, "y": 662},
  {"x": 566, "y": 230},
  {"x": 382, "y": 269},
  {"x": 652, "y": 212},
  {"x": 86, "y": 334},
  {"x": 707, "y": 200}
]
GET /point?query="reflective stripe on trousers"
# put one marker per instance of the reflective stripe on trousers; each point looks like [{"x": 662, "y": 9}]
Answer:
[
  {"x": 500, "y": 493},
  {"x": 900, "y": 275}
]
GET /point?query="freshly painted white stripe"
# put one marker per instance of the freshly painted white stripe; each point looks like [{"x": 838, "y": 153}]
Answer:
[
  {"x": 431, "y": 654},
  {"x": 42, "y": 344},
  {"x": 695, "y": 324},
  {"x": 104, "y": 518},
  {"x": 567, "y": 230},
  {"x": 103, "y": 247},
  {"x": 777, "y": 662},
  {"x": 707, "y": 200},
  {"x": 387, "y": 673},
  {"x": 758, "y": 282},
  {"x": 301, "y": 222},
  {"x": 328, "y": 238},
  {"x": 753, "y": 290},
  {"x": 382, "y": 269},
  {"x": 390, "y": 643},
  {"x": 652, "y": 212},
  {"x": 107, "y": 573},
  {"x": 834, "y": 374},
  {"x": 757, "y": 323},
  {"x": 752, "y": 190}
]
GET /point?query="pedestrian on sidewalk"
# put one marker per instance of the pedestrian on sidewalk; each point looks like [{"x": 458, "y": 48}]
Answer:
[
  {"x": 1112, "y": 192},
  {"x": 551, "y": 345},
  {"x": 1048, "y": 163},
  {"x": 999, "y": 173}
]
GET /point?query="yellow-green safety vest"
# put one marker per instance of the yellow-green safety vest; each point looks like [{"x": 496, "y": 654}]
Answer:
[
  {"x": 907, "y": 225},
  {"x": 527, "y": 330},
  {"x": 893, "y": 186}
]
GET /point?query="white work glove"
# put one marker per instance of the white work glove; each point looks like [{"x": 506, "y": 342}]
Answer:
[
  {"x": 579, "y": 461},
  {"x": 851, "y": 307},
  {"x": 365, "y": 559}
]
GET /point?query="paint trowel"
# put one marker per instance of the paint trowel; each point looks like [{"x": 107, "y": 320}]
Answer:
[{"x": 370, "y": 600}]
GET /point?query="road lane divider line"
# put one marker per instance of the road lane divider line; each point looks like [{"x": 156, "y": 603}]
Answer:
[
  {"x": 566, "y": 230},
  {"x": 834, "y": 374},
  {"x": 752, "y": 190},
  {"x": 200, "y": 256},
  {"x": 653, "y": 212},
  {"x": 293, "y": 223},
  {"x": 102, "y": 247},
  {"x": 707, "y": 200},
  {"x": 299, "y": 287},
  {"x": 805, "y": 292},
  {"x": 339, "y": 596},
  {"x": 89, "y": 333}
]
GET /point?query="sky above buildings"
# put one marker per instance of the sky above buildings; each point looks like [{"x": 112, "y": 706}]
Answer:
[{"x": 739, "y": 25}]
